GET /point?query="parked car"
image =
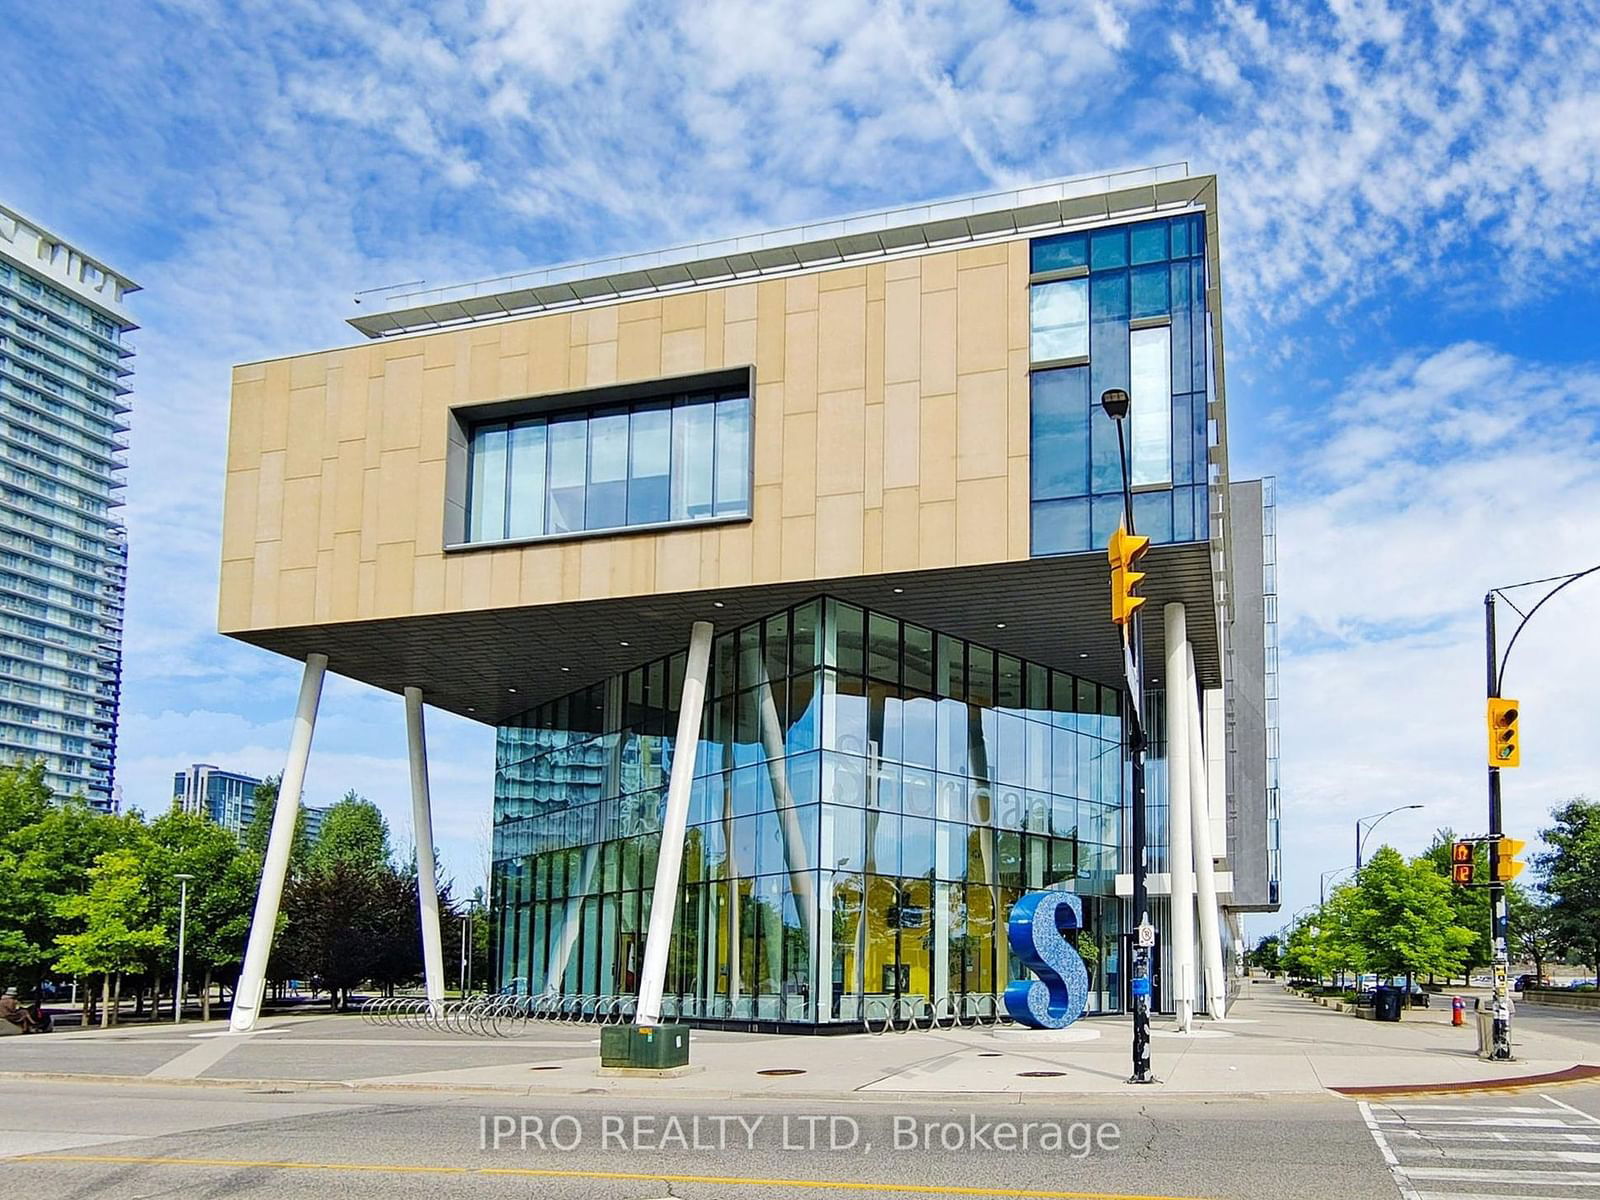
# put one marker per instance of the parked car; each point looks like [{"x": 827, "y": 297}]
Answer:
[{"x": 1524, "y": 982}]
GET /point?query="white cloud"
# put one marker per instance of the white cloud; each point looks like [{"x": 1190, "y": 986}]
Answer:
[
  {"x": 1365, "y": 146},
  {"x": 1425, "y": 483},
  {"x": 255, "y": 166}
]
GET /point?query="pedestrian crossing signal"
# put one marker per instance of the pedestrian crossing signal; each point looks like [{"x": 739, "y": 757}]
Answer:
[
  {"x": 1461, "y": 862},
  {"x": 1506, "y": 866},
  {"x": 1505, "y": 744}
]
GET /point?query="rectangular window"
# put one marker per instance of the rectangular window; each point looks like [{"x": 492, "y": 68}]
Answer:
[
  {"x": 1150, "y": 421},
  {"x": 733, "y": 456},
  {"x": 1058, "y": 315},
  {"x": 569, "y": 454},
  {"x": 607, "y": 504},
  {"x": 649, "y": 465},
  {"x": 693, "y": 451},
  {"x": 680, "y": 458},
  {"x": 488, "y": 497},
  {"x": 526, "y": 468}
]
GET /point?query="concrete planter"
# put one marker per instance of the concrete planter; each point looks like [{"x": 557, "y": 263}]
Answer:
[{"x": 1561, "y": 999}]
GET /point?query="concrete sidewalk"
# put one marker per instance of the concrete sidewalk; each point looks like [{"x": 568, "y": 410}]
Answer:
[{"x": 1273, "y": 1044}]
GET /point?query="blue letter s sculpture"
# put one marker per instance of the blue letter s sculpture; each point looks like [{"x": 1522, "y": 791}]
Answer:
[{"x": 1057, "y": 997}]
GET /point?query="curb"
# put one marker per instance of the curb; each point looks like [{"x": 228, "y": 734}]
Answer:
[
  {"x": 1144, "y": 1095},
  {"x": 1574, "y": 1074}
]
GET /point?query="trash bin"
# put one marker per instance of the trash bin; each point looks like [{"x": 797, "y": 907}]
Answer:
[
  {"x": 1386, "y": 1003},
  {"x": 1485, "y": 1032}
]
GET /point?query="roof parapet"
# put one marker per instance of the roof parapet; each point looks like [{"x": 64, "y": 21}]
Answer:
[{"x": 1051, "y": 204}]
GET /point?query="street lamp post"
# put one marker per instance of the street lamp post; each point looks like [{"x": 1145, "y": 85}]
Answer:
[
  {"x": 1326, "y": 875},
  {"x": 1371, "y": 823},
  {"x": 183, "y": 930},
  {"x": 1115, "y": 402}
]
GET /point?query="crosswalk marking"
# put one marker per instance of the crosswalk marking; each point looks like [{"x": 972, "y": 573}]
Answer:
[
  {"x": 1553, "y": 1156},
  {"x": 1519, "y": 1138},
  {"x": 1467, "y": 1151}
]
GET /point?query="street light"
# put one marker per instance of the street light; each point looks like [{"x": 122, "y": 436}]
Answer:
[
  {"x": 183, "y": 930},
  {"x": 1326, "y": 874},
  {"x": 1362, "y": 837},
  {"x": 1116, "y": 402}
]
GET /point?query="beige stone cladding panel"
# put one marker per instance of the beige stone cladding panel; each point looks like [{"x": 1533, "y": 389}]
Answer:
[{"x": 890, "y": 434}]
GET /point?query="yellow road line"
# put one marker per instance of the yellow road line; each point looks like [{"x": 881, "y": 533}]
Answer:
[{"x": 633, "y": 1176}]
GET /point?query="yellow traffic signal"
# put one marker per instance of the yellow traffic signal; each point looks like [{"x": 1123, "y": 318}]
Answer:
[
  {"x": 1505, "y": 745},
  {"x": 1461, "y": 862},
  {"x": 1125, "y": 551},
  {"x": 1506, "y": 866}
]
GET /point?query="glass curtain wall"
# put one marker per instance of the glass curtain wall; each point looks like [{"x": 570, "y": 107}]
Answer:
[
  {"x": 1121, "y": 307},
  {"x": 870, "y": 799}
]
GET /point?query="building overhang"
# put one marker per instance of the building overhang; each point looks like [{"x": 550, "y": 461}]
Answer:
[{"x": 490, "y": 664}]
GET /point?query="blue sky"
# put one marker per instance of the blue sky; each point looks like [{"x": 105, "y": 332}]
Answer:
[{"x": 1408, "y": 231}]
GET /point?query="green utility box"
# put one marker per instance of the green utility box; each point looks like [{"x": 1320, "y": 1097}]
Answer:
[{"x": 644, "y": 1047}]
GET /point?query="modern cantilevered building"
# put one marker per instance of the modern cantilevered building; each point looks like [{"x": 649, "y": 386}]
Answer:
[
  {"x": 778, "y": 564},
  {"x": 64, "y": 367}
]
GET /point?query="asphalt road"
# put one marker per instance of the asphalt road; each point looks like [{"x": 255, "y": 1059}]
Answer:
[
  {"x": 132, "y": 1140},
  {"x": 1579, "y": 1023}
]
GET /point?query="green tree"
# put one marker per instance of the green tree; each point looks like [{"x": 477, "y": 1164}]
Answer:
[
  {"x": 1321, "y": 944},
  {"x": 221, "y": 894},
  {"x": 259, "y": 831},
  {"x": 1470, "y": 904},
  {"x": 347, "y": 924},
  {"x": 1535, "y": 936},
  {"x": 355, "y": 833},
  {"x": 1571, "y": 869},
  {"x": 1404, "y": 921},
  {"x": 1268, "y": 954},
  {"x": 46, "y": 852},
  {"x": 120, "y": 919}
]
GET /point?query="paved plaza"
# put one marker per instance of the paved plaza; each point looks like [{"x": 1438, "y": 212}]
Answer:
[{"x": 1274, "y": 1043}]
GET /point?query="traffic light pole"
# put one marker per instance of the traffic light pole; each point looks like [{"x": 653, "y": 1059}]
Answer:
[
  {"x": 1141, "y": 901},
  {"x": 1133, "y": 651},
  {"x": 1500, "y": 913},
  {"x": 1503, "y": 868}
]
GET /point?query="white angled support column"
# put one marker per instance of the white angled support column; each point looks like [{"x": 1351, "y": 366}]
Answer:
[
  {"x": 669, "y": 864},
  {"x": 1180, "y": 851},
  {"x": 1216, "y": 984},
  {"x": 427, "y": 878},
  {"x": 253, "y": 974}
]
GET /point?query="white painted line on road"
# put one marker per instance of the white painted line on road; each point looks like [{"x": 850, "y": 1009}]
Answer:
[
  {"x": 1519, "y": 1138},
  {"x": 1591, "y": 1118},
  {"x": 1576, "y": 1157},
  {"x": 1520, "y": 1178},
  {"x": 1407, "y": 1192},
  {"x": 1469, "y": 1108},
  {"x": 1483, "y": 1122}
]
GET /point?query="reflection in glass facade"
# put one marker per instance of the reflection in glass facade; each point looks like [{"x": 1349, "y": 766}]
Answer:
[
  {"x": 673, "y": 459},
  {"x": 1133, "y": 302},
  {"x": 870, "y": 799}
]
